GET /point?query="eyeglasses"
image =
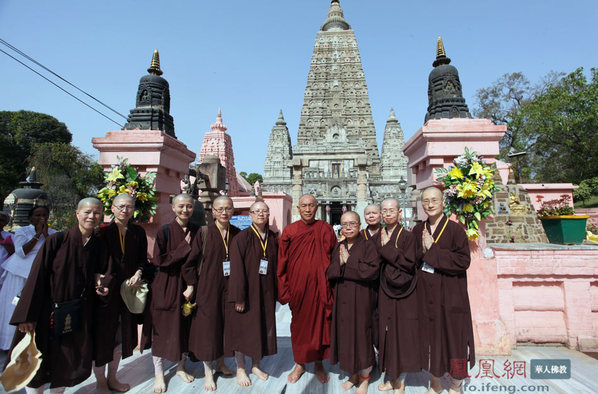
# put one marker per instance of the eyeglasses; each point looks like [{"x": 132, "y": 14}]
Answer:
[
  {"x": 260, "y": 212},
  {"x": 350, "y": 224},
  {"x": 125, "y": 207},
  {"x": 389, "y": 211},
  {"x": 222, "y": 209},
  {"x": 432, "y": 201}
]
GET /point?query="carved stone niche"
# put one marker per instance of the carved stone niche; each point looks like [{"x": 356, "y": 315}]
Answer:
[{"x": 210, "y": 181}]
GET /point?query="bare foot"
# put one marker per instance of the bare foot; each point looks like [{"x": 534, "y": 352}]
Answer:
[
  {"x": 296, "y": 374},
  {"x": 386, "y": 386},
  {"x": 259, "y": 373},
  {"x": 102, "y": 386},
  {"x": 159, "y": 384},
  {"x": 363, "y": 386},
  {"x": 398, "y": 386},
  {"x": 321, "y": 373},
  {"x": 209, "y": 384},
  {"x": 349, "y": 383},
  {"x": 242, "y": 378},
  {"x": 115, "y": 385},
  {"x": 222, "y": 368},
  {"x": 186, "y": 376}
]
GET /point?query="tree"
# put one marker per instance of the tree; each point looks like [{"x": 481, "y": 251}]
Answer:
[
  {"x": 251, "y": 178},
  {"x": 68, "y": 175},
  {"x": 554, "y": 122},
  {"x": 19, "y": 131}
]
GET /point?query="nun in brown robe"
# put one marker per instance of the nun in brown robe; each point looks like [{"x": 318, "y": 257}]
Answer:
[
  {"x": 176, "y": 251},
  {"x": 116, "y": 327},
  {"x": 353, "y": 272},
  {"x": 70, "y": 265},
  {"x": 208, "y": 331},
  {"x": 399, "y": 351},
  {"x": 252, "y": 290},
  {"x": 446, "y": 326}
]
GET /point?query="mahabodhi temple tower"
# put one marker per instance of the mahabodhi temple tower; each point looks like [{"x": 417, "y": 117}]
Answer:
[{"x": 336, "y": 157}]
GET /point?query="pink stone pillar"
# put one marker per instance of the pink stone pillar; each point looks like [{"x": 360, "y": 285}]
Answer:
[
  {"x": 149, "y": 151},
  {"x": 434, "y": 146}
]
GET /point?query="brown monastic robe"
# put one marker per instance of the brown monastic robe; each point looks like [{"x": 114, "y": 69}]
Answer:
[
  {"x": 446, "y": 327},
  {"x": 63, "y": 271},
  {"x": 176, "y": 261},
  {"x": 303, "y": 258},
  {"x": 108, "y": 316},
  {"x": 374, "y": 297},
  {"x": 253, "y": 332},
  {"x": 208, "y": 332},
  {"x": 397, "y": 304},
  {"x": 351, "y": 336}
]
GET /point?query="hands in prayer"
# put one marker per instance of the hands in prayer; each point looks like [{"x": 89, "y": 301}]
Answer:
[
  {"x": 427, "y": 241},
  {"x": 343, "y": 254}
]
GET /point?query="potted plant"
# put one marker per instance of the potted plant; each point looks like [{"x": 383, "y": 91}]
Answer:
[{"x": 560, "y": 223}]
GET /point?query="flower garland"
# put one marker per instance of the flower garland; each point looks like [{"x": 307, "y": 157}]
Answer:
[
  {"x": 468, "y": 190},
  {"x": 126, "y": 179}
]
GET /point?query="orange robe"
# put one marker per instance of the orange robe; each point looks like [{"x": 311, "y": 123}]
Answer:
[{"x": 303, "y": 258}]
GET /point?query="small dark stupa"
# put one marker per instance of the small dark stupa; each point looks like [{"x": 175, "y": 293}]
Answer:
[
  {"x": 153, "y": 102},
  {"x": 20, "y": 201},
  {"x": 445, "y": 97}
]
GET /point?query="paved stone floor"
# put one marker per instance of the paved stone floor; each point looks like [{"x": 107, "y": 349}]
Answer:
[{"x": 138, "y": 371}]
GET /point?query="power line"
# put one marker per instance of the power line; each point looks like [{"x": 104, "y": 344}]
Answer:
[{"x": 61, "y": 88}]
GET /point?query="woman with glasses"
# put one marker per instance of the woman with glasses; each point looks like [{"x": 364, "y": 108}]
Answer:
[
  {"x": 252, "y": 290},
  {"x": 116, "y": 333},
  {"x": 206, "y": 339},
  {"x": 353, "y": 272}
]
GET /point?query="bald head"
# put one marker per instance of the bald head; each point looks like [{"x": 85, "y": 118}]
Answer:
[
  {"x": 258, "y": 205},
  {"x": 432, "y": 191},
  {"x": 123, "y": 198},
  {"x": 307, "y": 199},
  {"x": 223, "y": 199},
  {"x": 350, "y": 216},
  {"x": 390, "y": 203},
  {"x": 88, "y": 201},
  {"x": 181, "y": 197},
  {"x": 307, "y": 208}
]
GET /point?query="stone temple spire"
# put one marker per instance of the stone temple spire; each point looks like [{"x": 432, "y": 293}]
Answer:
[
  {"x": 445, "y": 97},
  {"x": 219, "y": 143},
  {"x": 336, "y": 19},
  {"x": 277, "y": 174},
  {"x": 393, "y": 163},
  {"x": 152, "y": 110}
]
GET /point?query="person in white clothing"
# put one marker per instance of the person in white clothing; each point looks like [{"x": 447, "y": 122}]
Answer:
[
  {"x": 7, "y": 247},
  {"x": 27, "y": 241}
]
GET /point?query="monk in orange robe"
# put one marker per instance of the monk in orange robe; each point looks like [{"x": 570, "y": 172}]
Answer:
[{"x": 303, "y": 258}]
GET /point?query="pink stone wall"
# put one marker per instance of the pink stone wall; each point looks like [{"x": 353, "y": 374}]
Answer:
[
  {"x": 549, "y": 191},
  {"x": 280, "y": 205},
  {"x": 549, "y": 296}
]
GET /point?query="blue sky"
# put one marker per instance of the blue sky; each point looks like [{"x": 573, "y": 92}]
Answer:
[{"x": 251, "y": 58}]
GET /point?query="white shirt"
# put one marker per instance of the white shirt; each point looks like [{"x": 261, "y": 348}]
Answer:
[{"x": 20, "y": 263}]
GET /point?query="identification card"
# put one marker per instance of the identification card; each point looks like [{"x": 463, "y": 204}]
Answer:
[
  {"x": 427, "y": 268},
  {"x": 226, "y": 268},
  {"x": 263, "y": 267},
  {"x": 15, "y": 300}
]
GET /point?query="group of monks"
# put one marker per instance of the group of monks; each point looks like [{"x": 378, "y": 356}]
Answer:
[{"x": 380, "y": 295}]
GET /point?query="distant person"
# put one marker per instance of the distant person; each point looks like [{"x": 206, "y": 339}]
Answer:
[
  {"x": 446, "y": 337},
  {"x": 69, "y": 277},
  {"x": 399, "y": 351},
  {"x": 28, "y": 241},
  {"x": 303, "y": 257},
  {"x": 353, "y": 272},
  {"x": 252, "y": 289},
  {"x": 173, "y": 285},
  {"x": 208, "y": 329},
  {"x": 116, "y": 327}
]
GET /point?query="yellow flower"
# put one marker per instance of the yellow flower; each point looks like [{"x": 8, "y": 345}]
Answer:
[
  {"x": 456, "y": 173},
  {"x": 122, "y": 189},
  {"x": 472, "y": 234},
  {"x": 133, "y": 184},
  {"x": 468, "y": 208},
  {"x": 467, "y": 190},
  {"x": 114, "y": 175},
  {"x": 477, "y": 169},
  {"x": 111, "y": 192},
  {"x": 142, "y": 196}
]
